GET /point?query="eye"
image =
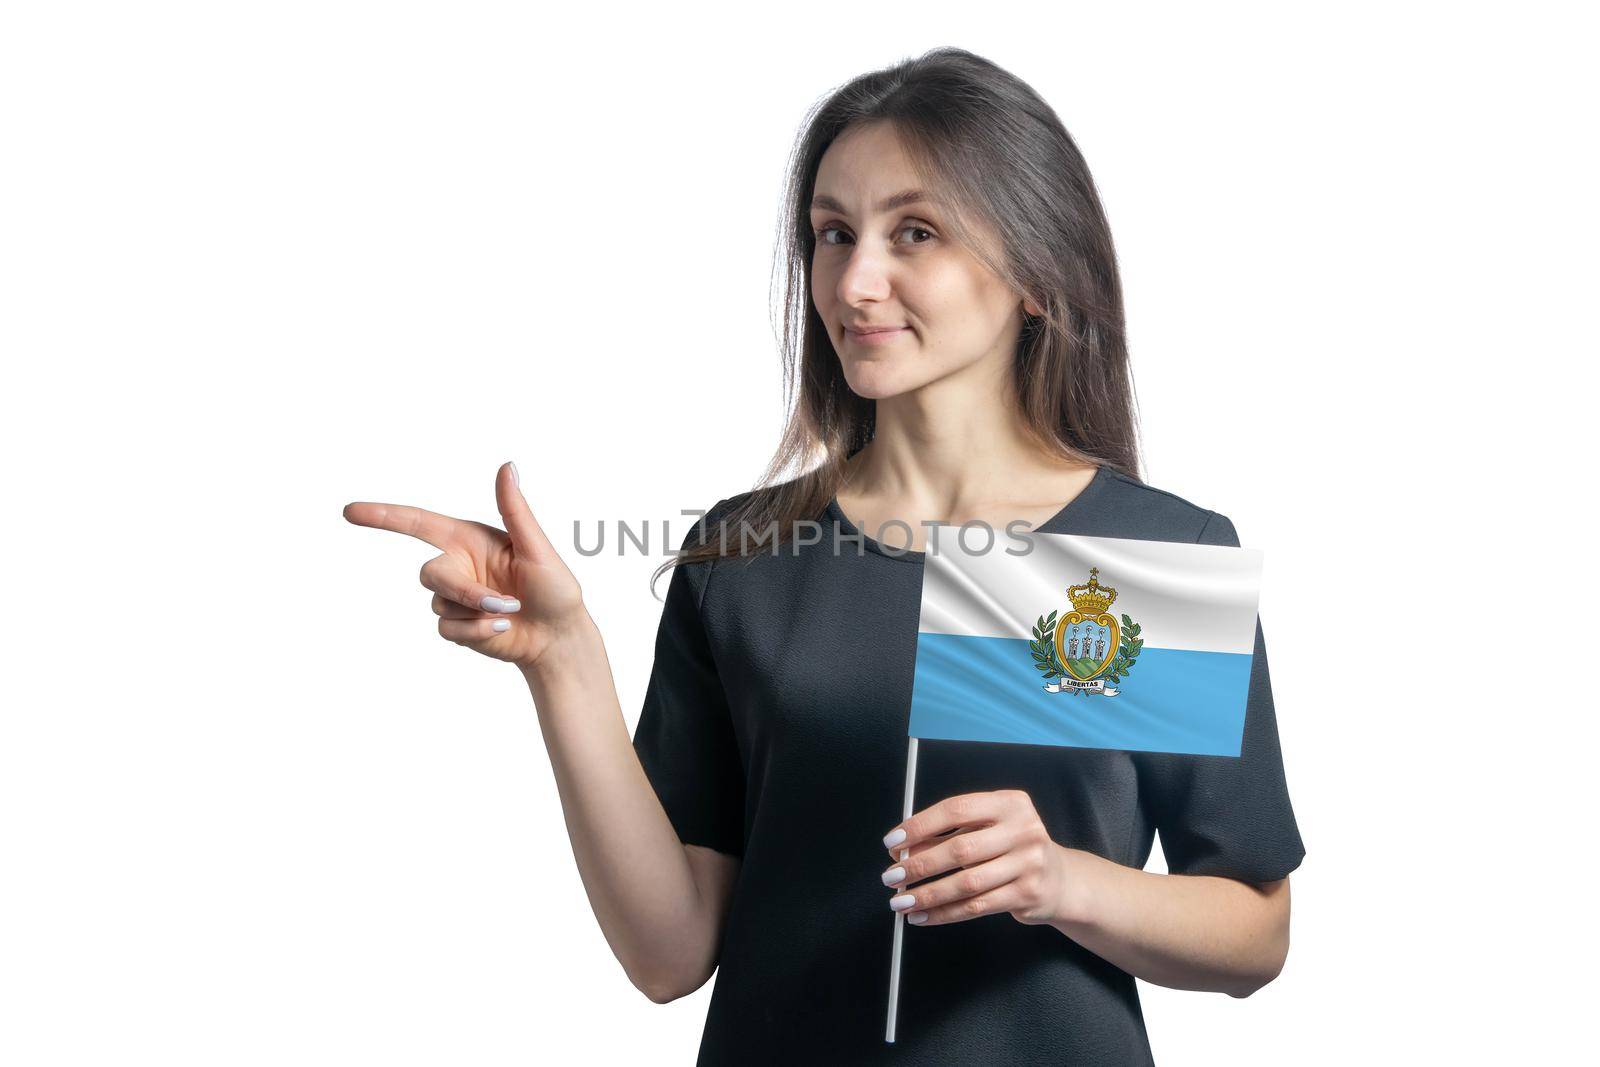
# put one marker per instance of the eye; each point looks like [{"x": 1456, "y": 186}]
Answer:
[
  {"x": 826, "y": 230},
  {"x": 821, "y": 233}
]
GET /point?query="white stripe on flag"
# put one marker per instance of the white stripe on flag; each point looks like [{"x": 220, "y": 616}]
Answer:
[{"x": 1183, "y": 596}]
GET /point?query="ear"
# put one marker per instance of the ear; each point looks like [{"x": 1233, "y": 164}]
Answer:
[{"x": 1029, "y": 307}]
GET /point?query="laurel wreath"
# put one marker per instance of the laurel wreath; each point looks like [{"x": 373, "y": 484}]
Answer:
[
  {"x": 1127, "y": 651},
  {"x": 1043, "y": 648}
]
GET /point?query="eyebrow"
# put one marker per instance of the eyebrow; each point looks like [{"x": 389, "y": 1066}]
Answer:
[{"x": 898, "y": 200}]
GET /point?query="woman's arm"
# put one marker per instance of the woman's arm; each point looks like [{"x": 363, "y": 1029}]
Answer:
[
  {"x": 639, "y": 877},
  {"x": 1183, "y": 931},
  {"x": 508, "y": 595}
]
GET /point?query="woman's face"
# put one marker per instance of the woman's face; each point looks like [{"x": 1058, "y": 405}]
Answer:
[{"x": 880, "y": 263}]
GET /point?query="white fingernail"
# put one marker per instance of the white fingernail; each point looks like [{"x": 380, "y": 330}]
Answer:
[
  {"x": 902, "y": 902},
  {"x": 514, "y": 476},
  {"x": 500, "y": 625},
  {"x": 917, "y": 918},
  {"x": 492, "y": 603},
  {"x": 893, "y": 839},
  {"x": 893, "y": 875},
  {"x": 512, "y": 605}
]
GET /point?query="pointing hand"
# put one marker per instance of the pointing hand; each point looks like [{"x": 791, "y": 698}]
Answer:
[{"x": 505, "y": 593}]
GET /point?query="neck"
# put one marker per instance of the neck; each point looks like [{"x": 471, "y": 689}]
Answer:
[{"x": 952, "y": 447}]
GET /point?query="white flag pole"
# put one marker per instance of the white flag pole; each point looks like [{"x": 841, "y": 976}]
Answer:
[{"x": 900, "y": 916}]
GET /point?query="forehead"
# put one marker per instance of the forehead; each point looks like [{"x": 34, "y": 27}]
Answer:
[{"x": 863, "y": 166}]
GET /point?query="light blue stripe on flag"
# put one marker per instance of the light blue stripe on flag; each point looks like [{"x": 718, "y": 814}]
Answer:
[{"x": 970, "y": 688}]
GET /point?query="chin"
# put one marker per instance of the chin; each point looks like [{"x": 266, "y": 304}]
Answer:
[{"x": 877, "y": 381}]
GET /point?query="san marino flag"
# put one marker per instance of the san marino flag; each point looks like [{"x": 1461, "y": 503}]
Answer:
[{"x": 1092, "y": 642}]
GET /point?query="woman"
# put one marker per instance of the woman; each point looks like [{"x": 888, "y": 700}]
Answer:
[{"x": 955, "y": 334}]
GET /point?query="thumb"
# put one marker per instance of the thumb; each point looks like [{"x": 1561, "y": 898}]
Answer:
[{"x": 527, "y": 538}]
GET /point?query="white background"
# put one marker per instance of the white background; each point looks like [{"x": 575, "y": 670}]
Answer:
[{"x": 260, "y": 260}]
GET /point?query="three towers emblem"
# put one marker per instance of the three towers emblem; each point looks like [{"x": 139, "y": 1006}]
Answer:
[{"x": 1087, "y": 647}]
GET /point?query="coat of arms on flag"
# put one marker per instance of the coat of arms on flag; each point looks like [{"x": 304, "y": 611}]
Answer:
[{"x": 1087, "y": 647}]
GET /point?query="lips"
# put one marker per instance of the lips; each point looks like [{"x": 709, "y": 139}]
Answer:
[{"x": 874, "y": 336}]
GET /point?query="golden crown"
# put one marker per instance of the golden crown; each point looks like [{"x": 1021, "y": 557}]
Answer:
[{"x": 1094, "y": 598}]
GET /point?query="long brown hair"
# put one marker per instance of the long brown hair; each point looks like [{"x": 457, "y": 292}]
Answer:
[{"x": 989, "y": 148}]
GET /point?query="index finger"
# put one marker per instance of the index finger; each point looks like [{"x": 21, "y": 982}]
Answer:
[
  {"x": 952, "y": 813},
  {"x": 440, "y": 531}
]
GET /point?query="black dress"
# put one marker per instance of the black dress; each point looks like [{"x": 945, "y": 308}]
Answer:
[{"x": 774, "y": 729}]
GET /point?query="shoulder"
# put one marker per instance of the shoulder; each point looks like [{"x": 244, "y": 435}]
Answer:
[
  {"x": 728, "y": 505},
  {"x": 703, "y": 523},
  {"x": 723, "y": 583},
  {"x": 761, "y": 496},
  {"x": 1149, "y": 512},
  {"x": 692, "y": 574},
  {"x": 706, "y": 518}
]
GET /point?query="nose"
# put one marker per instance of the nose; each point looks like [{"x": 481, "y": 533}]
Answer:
[{"x": 866, "y": 276}]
